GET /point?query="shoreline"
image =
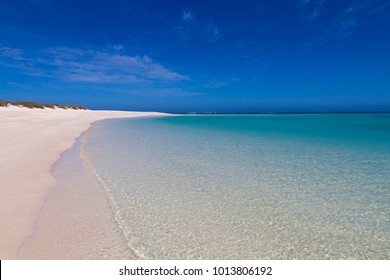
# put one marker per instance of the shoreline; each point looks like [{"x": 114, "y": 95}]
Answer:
[
  {"x": 32, "y": 140},
  {"x": 76, "y": 221}
]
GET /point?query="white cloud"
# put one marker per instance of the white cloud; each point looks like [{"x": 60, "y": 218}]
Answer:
[
  {"x": 346, "y": 18},
  {"x": 91, "y": 66},
  {"x": 215, "y": 84},
  {"x": 353, "y": 15},
  {"x": 187, "y": 15},
  {"x": 303, "y": 3},
  {"x": 15, "y": 58},
  {"x": 380, "y": 7},
  {"x": 212, "y": 30},
  {"x": 118, "y": 48},
  {"x": 11, "y": 53},
  {"x": 191, "y": 27},
  {"x": 311, "y": 9}
]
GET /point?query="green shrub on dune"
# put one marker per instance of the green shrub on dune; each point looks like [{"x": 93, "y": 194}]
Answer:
[
  {"x": 31, "y": 104},
  {"x": 3, "y": 103}
]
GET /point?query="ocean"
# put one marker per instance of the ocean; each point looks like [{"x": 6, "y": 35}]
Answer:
[{"x": 283, "y": 186}]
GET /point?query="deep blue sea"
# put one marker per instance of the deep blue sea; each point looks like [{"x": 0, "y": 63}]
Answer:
[{"x": 294, "y": 186}]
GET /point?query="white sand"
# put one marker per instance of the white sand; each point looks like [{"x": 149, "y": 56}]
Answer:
[{"x": 31, "y": 140}]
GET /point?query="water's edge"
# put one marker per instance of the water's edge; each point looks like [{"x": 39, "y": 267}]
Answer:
[
  {"x": 146, "y": 189},
  {"x": 76, "y": 220}
]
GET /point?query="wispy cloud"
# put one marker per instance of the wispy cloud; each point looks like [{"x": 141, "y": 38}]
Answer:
[
  {"x": 303, "y": 3},
  {"x": 15, "y": 58},
  {"x": 311, "y": 9},
  {"x": 13, "y": 53},
  {"x": 345, "y": 24},
  {"x": 212, "y": 30},
  {"x": 118, "y": 48},
  {"x": 216, "y": 84},
  {"x": 344, "y": 19},
  {"x": 380, "y": 7},
  {"x": 192, "y": 27},
  {"x": 186, "y": 25},
  {"x": 187, "y": 15},
  {"x": 90, "y": 66}
]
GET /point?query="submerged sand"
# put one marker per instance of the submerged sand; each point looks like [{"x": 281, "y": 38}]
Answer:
[{"x": 31, "y": 141}]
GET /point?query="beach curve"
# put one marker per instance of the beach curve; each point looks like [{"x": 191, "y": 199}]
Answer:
[{"x": 31, "y": 141}]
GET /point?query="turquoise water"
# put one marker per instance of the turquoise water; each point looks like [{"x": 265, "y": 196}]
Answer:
[{"x": 248, "y": 186}]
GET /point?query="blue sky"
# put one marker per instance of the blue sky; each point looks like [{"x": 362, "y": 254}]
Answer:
[{"x": 205, "y": 56}]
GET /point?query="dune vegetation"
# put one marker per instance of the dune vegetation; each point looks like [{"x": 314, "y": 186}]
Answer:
[{"x": 31, "y": 104}]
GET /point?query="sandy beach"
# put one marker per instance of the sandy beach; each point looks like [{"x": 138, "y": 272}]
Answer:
[{"x": 31, "y": 141}]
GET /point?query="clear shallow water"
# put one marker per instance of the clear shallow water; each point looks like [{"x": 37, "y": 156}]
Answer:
[{"x": 248, "y": 187}]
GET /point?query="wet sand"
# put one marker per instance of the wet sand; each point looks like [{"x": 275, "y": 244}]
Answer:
[{"x": 31, "y": 141}]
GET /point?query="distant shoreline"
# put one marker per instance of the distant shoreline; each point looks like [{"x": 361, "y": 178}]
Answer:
[{"x": 279, "y": 113}]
